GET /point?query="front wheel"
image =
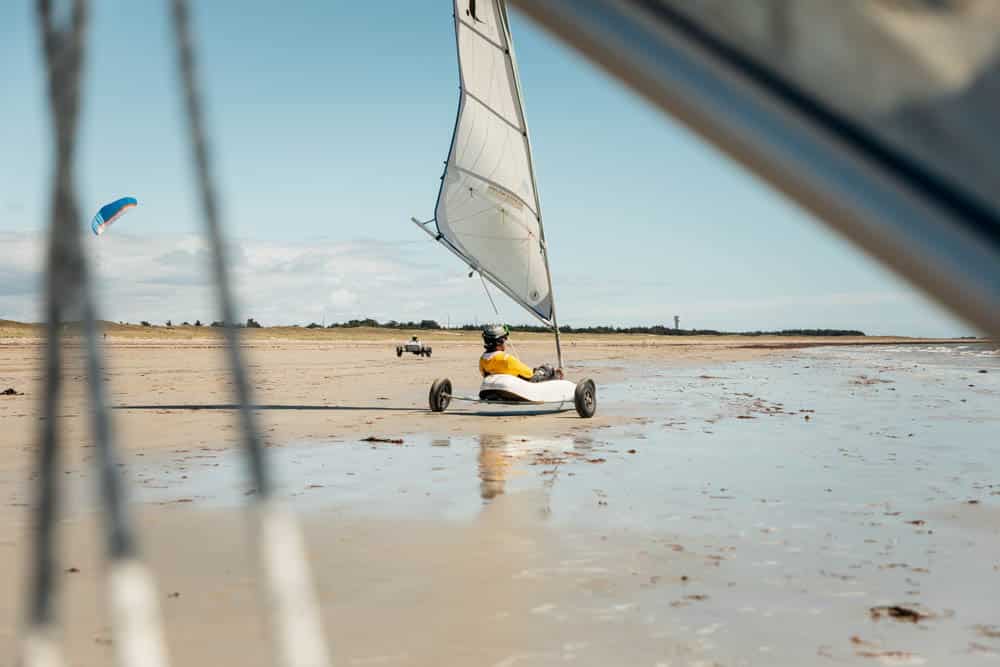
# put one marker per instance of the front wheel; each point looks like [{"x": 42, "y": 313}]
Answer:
[
  {"x": 585, "y": 398},
  {"x": 440, "y": 395}
]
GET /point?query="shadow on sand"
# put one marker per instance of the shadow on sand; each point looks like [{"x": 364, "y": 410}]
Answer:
[
  {"x": 235, "y": 406},
  {"x": 526, "y": 412},
  {"x": 514, "y": 412}
]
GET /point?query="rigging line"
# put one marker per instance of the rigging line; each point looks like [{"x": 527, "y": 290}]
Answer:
[
  {"x": 496, "y": 311},
  {"x": 281, "y": 548},
  {"x": 489, "y": 296}
]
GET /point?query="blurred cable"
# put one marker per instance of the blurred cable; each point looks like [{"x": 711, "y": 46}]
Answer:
[{"x": 282, "y": 557}]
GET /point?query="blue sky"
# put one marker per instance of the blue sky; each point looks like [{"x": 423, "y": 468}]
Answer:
[{"x": 330, "y": 123}]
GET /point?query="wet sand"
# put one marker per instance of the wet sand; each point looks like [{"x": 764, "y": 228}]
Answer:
[{"x": 728, "y": 505}]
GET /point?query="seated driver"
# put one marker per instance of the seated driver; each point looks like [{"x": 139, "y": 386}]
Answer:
[{"x": 497, "y": 361}]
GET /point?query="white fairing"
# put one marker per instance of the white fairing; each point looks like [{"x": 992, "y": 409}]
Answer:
[
  {"x": 488, "y": 209},
  {"x": 553, "y": 391}
]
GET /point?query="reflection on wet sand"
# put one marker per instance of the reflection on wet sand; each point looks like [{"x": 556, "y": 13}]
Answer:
[
  {"x": 494, "y": 464},
  {"x": 498, "y": 455}
]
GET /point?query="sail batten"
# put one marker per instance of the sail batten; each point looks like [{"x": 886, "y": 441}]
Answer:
[
  {"x": 501, "y": 190},
  {"x": 485, "y": 37},
  {"x": 487, "y": 210},
  {"x": 493, "y": 111}
]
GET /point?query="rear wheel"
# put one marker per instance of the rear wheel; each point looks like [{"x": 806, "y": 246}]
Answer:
[
  {"x": 585, "y": 398},
  {"x": 399, "y": 351},
  {"x": 440, "y": 395},
  {"x": 427, "y": 352}
]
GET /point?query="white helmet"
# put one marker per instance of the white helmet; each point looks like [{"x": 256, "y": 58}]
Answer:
[{"x": 494, "y": 334}]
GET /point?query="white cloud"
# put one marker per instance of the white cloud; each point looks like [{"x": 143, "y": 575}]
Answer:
[
  {"x": 167, "y": 277},
  {"x": 342, "y": 298}
]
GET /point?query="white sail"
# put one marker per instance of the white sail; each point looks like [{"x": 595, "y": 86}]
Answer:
[{"x": 487, "y": 210}]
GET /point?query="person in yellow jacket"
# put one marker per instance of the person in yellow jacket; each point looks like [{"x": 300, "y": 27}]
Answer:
[{"x": 496, "y": 360}]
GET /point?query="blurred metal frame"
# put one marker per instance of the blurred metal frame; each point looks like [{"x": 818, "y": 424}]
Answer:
[{"x": 940, "y": 238}]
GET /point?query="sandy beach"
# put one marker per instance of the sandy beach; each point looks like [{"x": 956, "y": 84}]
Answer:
[{"x": 715, "y": 511}]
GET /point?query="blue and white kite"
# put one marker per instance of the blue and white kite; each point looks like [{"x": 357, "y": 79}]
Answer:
[{"x": 111, "y": 212}]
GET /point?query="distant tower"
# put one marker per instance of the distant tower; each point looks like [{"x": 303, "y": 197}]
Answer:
[{"x": 677, "y": 322}]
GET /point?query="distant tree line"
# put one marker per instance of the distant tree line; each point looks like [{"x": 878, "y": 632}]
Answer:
[
  {"x": 391, "y": 324},
  {"x": 663, "y": 330},
  {"x": 251, "y": 323},
  {"x": 654, "y": 330}
]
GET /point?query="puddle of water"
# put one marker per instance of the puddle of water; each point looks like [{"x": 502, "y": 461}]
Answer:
[{"x": 425, "y": 477}]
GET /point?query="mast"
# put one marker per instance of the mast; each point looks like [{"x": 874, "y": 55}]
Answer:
[
  {"x": 555, "y": 322},
  {"x": 502, "y": 6}
]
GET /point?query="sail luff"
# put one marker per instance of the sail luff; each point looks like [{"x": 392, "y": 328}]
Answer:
[{"x": 454, "y": 131}]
